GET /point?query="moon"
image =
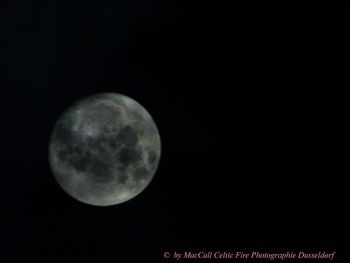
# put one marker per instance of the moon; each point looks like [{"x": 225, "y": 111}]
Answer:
[{"x": 104, "y": 149}]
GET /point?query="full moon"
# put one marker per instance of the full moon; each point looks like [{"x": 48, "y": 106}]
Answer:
[{"x": 104, "y": 149}]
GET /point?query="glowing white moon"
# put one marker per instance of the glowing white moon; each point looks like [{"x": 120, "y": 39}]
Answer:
[{"x": 105, "y": 149}]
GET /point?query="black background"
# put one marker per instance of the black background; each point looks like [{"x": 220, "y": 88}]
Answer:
[{"x": 244, "y": 99}]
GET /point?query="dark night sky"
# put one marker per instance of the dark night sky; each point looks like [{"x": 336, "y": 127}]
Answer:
[{"x": 249, "y": 134}]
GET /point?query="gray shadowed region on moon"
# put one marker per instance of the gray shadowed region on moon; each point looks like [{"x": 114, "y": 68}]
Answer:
[{"x": 105, "y": 149}]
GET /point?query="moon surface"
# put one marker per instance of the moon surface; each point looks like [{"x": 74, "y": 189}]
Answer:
[{"x": 104, "y": 149}]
